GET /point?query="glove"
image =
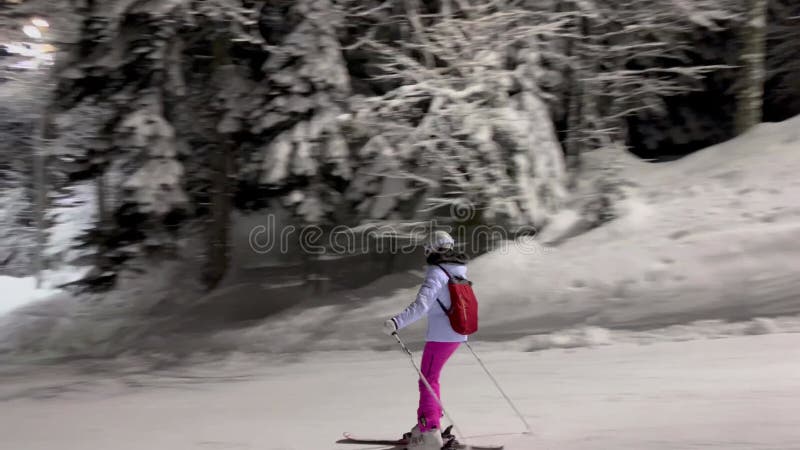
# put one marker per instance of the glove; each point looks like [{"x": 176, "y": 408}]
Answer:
[{"x": 390, "y": 327}]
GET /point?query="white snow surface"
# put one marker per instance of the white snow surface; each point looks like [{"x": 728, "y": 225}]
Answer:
[
  {"x": 17, "y": 292},
  {"x": 675, "y": 327},
  {"x": 700, "y": 242},
  {"x": 735, "y": 393},
  {"x": 713, "y": 236}
]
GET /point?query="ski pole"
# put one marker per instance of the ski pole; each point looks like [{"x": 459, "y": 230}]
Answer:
[
  {"x": 428, "y": 386},
  {"x": 497, "y": 385}
]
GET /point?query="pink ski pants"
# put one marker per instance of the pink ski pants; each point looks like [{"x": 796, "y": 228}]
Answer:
[{"x": 434, "y": 357}]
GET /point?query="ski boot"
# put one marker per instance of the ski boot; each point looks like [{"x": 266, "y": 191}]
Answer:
[
  {"x": 449, "y": 439},
  {"x": 428, "y": 440}
]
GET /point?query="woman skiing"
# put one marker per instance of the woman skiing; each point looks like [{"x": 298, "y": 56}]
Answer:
[{"x": 441, "y": 341}]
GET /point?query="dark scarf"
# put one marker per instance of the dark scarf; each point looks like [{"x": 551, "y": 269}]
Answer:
[{"x": 448, "y": 256}]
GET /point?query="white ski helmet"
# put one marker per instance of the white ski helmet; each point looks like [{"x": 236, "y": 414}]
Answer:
[{"x": 439, "y": 242}]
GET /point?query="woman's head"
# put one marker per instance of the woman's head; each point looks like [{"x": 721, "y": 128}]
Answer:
[
  {"x": 441, "y": 249},
  {"x": 440, "y": 242}
]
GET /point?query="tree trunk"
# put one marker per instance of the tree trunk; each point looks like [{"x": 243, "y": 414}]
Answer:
[
  {"x": 103, "y": 217},
  {"x": 40, "y": 192},
  {"x": 573, "y": 121},
  {"x": 751, "y": 91},
  {"x": 220, "y": 164},
  {"x": 218, "y": 253}
]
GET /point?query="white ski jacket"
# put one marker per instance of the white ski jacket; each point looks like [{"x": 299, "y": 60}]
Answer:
[{"x": 434, "y": 286}]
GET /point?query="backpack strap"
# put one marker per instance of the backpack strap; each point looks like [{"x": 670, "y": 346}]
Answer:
[{"x": 449, "y": 278}]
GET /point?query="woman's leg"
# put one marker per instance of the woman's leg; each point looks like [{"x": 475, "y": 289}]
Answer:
[{"x": 434, "y": 357}]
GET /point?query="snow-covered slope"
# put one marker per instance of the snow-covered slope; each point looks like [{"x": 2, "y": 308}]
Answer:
[
  {"x": 712, "y": 236},
  {"x": 727, "y": 394},
  {"x": 20, "y": 291},
  {"x": 622, "y": 330},
  {"x": 709, "y": 237}
]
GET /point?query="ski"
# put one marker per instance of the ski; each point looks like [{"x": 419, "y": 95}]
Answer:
[
  {"x": 401, "y": 443},
  {"x": 350, "y": 439}
]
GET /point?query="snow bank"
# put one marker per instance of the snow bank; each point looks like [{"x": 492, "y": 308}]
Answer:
[
  {"x": 101, "y": 325},
  {"x": 710, "y": 237},
  {"x": 17, "y": 292}
]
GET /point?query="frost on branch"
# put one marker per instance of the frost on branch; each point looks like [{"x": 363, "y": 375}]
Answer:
[
  {"x": 627, "y": 57},
  {"x": 472, "y": 128}
]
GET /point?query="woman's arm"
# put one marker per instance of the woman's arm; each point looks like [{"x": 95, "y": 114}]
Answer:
[{"x": 435, "y": 280}]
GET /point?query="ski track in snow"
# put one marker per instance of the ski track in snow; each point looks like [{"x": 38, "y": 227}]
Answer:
[{"x": 734, "y": 393}]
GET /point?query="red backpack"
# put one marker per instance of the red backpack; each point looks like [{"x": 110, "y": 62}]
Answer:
[{"x": 463, "y": 312}]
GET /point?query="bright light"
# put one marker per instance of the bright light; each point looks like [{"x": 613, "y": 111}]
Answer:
[
  {"x": 40, "y": 23},
  {"x": 32, "y": 32}
]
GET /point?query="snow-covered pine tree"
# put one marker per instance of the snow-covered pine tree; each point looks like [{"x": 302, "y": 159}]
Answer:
[
  {"x": 302, "y": 153},
  {"x": 130, "y": 66},
  {"x": 211, "y": 77}
]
